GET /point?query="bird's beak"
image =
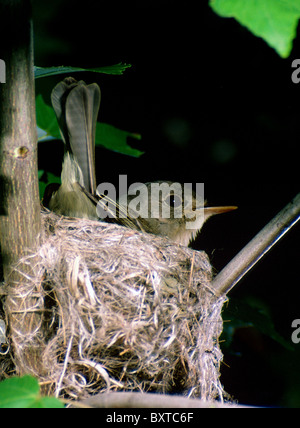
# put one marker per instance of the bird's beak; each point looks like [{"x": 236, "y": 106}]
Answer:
[{"x": 209, "y": 211}]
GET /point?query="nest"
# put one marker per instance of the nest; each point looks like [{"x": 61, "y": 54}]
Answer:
[{"x": 119, "y": 310}]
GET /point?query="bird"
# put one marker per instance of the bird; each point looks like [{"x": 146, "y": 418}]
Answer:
[
  {"x": 162, "y": 208},
  {"x": 76, "y": 106},
  {"x": 165, "y": 208}
]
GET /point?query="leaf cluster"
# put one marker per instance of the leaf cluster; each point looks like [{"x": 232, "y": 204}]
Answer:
[
  {"x": 275, "y": 21},
  {"x": 24, "y": 392}
]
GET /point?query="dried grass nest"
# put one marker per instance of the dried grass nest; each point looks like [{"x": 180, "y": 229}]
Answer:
[{"x": 122, "y": 311}]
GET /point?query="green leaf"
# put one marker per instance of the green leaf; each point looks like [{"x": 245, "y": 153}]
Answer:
[
  {"x": 117, "y": 69},
  {"x": 106, "y": 135},
  {"x": 52, "y": 178},
  {"x": 46, "y": 119},
  {"x": 42, "y": 184},
  {"x": 273, "y": 20},
  {"x": 24, "y": 392},
  {"x": 42, "y": 188},
  {"x": 40, "y": 173},
  {"x": 116, "y": 140}
]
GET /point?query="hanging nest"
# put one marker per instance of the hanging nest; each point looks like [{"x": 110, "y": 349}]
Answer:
[{"x": 119, "y": 310}]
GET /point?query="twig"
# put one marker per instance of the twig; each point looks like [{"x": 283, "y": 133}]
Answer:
[
  {"x": 58, "y": 388},
  {"x": 257, "y": 248},
  {"x": 135, "y": 400}
]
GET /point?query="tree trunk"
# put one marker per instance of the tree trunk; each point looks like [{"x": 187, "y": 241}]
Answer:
[{"x": 19, "y": 198}]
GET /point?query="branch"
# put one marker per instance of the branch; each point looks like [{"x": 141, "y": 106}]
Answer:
[
  {"x": 257, "y": 248},
  {"x": 20, "y": 221},
  {"x": 20, "y": 210},
  {"x": 137, "y": 400}
]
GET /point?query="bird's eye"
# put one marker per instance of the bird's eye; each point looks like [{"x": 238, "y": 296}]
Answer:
[{"x": 173, "y": 201}]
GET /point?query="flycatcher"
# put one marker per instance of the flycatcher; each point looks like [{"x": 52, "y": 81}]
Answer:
[{"x": 76, "y": 106}]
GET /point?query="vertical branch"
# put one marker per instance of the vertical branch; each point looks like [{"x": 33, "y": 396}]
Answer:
[{"x": 19, "y": 199}]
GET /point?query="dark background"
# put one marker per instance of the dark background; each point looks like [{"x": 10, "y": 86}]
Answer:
[{"x": 214, "y": 104}]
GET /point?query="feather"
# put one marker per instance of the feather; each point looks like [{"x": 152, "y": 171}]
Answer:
[
  {"x": 82, "y": 106},
  {"x": 58, "y": 100},
  {"x": 76, "y": 106}
]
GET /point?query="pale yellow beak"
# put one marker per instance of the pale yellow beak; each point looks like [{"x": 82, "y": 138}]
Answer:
[{"x": 210, "y": 211}]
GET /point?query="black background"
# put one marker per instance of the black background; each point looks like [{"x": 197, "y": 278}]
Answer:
[{"x": 214, "y": 104}]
